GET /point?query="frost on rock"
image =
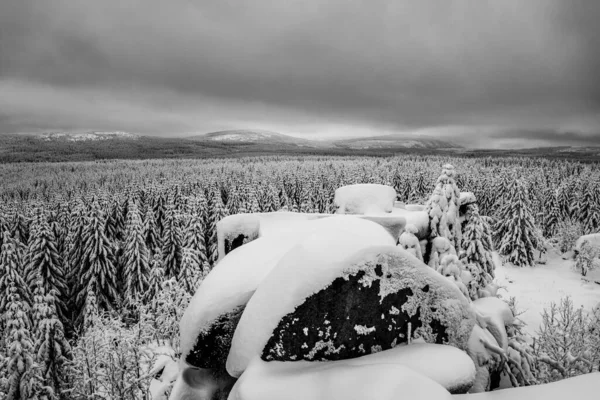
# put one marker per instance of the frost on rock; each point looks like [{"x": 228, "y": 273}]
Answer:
[
  {"x": 414, "y": 300},
  {"x": 339, "y": 380},
  {"x": 365, "y": 198}
]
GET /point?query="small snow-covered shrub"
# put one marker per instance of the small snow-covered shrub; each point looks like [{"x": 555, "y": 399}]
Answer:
[
  {"x": 564, "y": 342},
  {"x": 588, "y": 258},
  {"x": 112, "y": 360},
  {"x": 568, "y": 232}
]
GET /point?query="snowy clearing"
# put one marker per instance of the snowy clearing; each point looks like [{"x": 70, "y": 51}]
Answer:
[{"x": 536, "y": 287}]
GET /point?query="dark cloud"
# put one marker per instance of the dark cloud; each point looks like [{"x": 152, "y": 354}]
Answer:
[{"x": 317, "y": 67}]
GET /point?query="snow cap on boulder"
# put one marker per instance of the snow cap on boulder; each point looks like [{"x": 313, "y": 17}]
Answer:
[{"x": 365, "y": 198}]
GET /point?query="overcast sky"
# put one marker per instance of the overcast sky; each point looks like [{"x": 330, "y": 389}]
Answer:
[{"x": 504, "y": 73}]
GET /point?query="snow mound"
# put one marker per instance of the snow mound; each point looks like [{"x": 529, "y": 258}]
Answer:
[
  {"x": 313, "y": 306},
  {"x": 592, "y": 239},
  {"x": 415, "y": 207},
  {"x": 446, "y": 365},
  {"x": 333, "y": 381},
  {"x": 582, "y": 387},
  {"x": 365, "y": 198}
]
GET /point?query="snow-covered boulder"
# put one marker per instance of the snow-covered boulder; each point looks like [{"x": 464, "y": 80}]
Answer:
[
  {"x": 337, "y": 380},
  {"x": 365, "y": 198},
  {"x": 211, "y": 317},
  {"x": 313, "y": 306}
]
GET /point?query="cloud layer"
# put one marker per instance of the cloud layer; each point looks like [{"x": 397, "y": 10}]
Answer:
[{"x": 482, "y": 72}]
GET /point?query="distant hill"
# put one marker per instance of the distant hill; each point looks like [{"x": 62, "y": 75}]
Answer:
[
  {"x": 89, "y": 146},
  {"x": 85, "y": 136},
  {"x": 257, "y": 137},
  {"x": 396, "y": 141}
]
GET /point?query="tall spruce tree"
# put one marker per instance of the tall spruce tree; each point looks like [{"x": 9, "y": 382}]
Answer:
[
  {"x": 51, "y": 347},
  {"x": 172, "y": 244},
  {"x": 515, "y": 230},
  {"x": 98, "y": 273},
  {"x": 476, "y": 246},
  {"x": 44, "y": 260},
  {"x": 9, "y": 273},
  {"x": 23, "y": 376},
  {"x": 442, "y": 209},
  {"x": 191, "y": 270},
  {"x": 135, "y": 259}
]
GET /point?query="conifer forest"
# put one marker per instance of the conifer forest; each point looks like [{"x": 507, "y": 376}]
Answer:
[{"x": 99, "y": 260}]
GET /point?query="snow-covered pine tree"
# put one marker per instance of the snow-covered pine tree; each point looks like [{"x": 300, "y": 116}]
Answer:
[
  {"x": 172, "y": 243},
  {"x": 22, "y": 383},
  {"x": 218, "y": 212},
  {"x": 20, "y": 228},
  {"x": 51, "y": 347},
  {"x": 475, "y": 245},
  {"x": 115, "y": 222},
  {"x": 44, "y": 260},
  {"x": 553, "y": 215},
  {"x": 9, "y": 273},
  {"x": 442, "y": 209},
  {"x": 157, "y": 276},
  {"x": 590, "y": 207},
  {"x": 151, "y": 230},
  {"x": 191, "y": 270},
  {"x": 194, "y": 236},
  {"x": 135, "y": 258},
  {"x": 98, "y": 272},
  {"x": 515, "y": 231}
]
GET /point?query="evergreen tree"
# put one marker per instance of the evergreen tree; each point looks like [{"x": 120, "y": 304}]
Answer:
[
  {"x": 9, "y": 273},
  {"x": 191, "y": 270},
  {"x": 151, "y": 231},
  {"x": 515, "y": 231},
  {"x": 552, "y": 216},
  {"x": 194, "y": 236},
  {"x": 98, "y": 270},
  {"x": 51, "y": 347},
  {"x": 442, "y": 209},
  {"x": 218, "y": 212},
  {"x": 157, "y": 277},
  {"x": 172, "y": 244},
  {"x": 135, "y": 259},
  {"x": 476, "y": 248},
  {"x": 23, "y": 379},
  {"x": 44, "y": 260}
]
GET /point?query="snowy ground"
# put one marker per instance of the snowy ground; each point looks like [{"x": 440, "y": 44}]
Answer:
[{"x": 536, "y": 287}]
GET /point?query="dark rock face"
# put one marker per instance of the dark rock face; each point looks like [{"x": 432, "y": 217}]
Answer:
[
  {"x": 373, "y": 309},
  {"x": 236, "y": 242},
  {"x": 213, "y": 345}
]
